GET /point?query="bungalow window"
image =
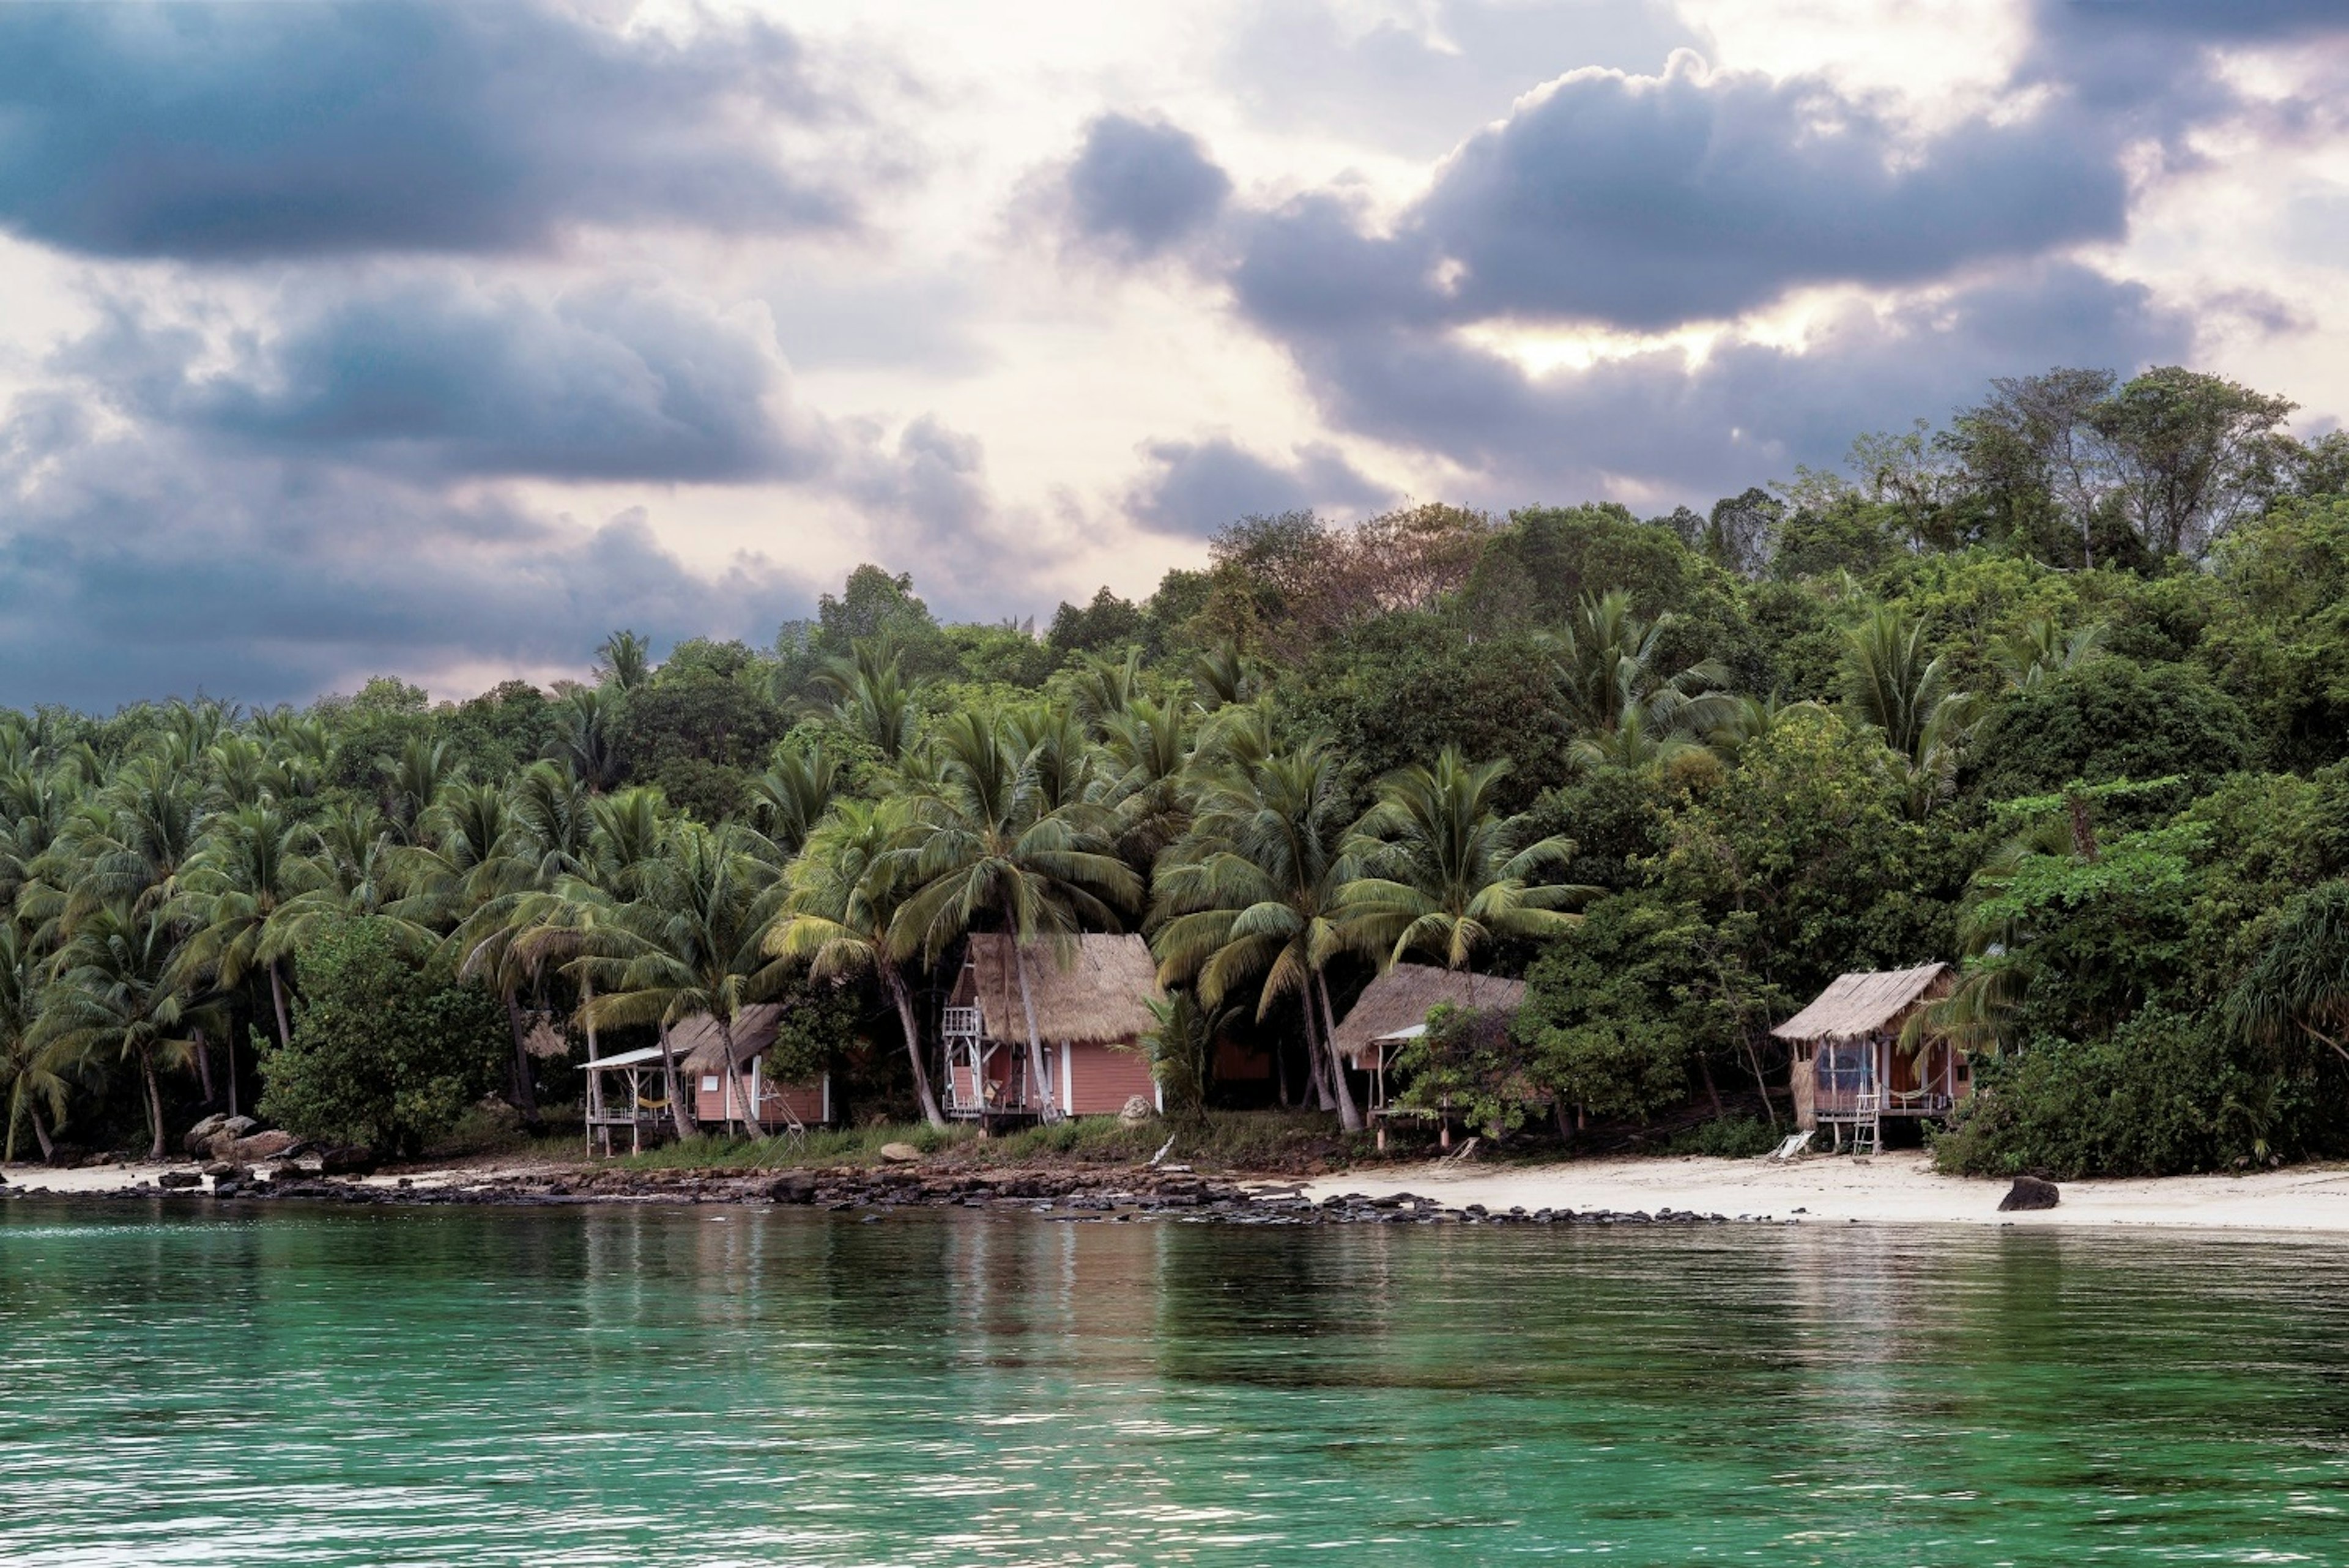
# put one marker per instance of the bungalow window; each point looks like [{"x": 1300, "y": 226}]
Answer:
[
  {"x": 1846, "y": 1066},
  {"x": 710, "y": 1085}
]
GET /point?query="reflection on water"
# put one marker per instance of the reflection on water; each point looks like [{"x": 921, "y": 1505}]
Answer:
[{"x": 670, "y": 1386}]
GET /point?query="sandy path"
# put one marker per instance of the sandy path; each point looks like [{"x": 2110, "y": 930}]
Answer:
[{"x": 1891, "y": 1188}]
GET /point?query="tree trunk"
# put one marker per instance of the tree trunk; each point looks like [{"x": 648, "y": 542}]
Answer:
[
  {"x": 1349, "y": 1115},
  {"x": 40, "y": 1130},
  {"x": 1705, "y": 1071},
  {"x": 277, "y": 996},
  {"x": 734, "y": 1079},
  {"x": 903, "y": 998},
  {"x": 204, "y": 1064},
  {"x": 228, "y": 1047},
  {"x": 1753, "y": 1060},
  {"x": 1049, "y": 1111},
  {"x": 1317, "y": 1067},
  {"x": 668, "y": 1077},
  {"x": 154, "y": 1106},
  {"x": 1280, "y": 1073},
  {"x": 525, "y": 1092}
]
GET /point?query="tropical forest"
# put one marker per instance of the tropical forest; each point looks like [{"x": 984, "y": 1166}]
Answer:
[{"x": 2055, "y": 691}]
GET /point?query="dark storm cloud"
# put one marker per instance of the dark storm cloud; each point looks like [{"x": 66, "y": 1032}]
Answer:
[
  {"x": 1198, "y": 487},
  {"x": 433, "y": 374},
  {"x": 226, "y": 131},
  {"x": 1142, "y": 184},
  {"x": 1648, "y": 201},
  {"x": 139, "y": 563},
  {"x": 1664, "y": 426}
]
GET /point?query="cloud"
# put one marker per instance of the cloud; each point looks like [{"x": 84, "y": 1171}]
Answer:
[
  {"x": 1664, "y": 426},
  {"x": 1412, "y": 82},
  {"x": 1142, "y": 185},
  {"x": 1198, "y": 487},
  {"x": 433, "y": 374},
  {"x": 135, "y": 563},
  {"x": 1647, "y": 201},
  {"x": 212, "y": 130}
]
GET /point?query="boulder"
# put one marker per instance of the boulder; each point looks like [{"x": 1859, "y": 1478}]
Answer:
[
  {"x": 346, "y": 1159},
  {"x": 260, "y": 1145},
  {"x": 793, "y": 1187},
  {"x": 176, "y": 1180},
  {"x": 2030, "y": 1192},
  {"x": 240, "y": 1126},
  {"x": 223, "y": 1170},
  {"x": 1135, "y": 1110},
  {"x": 900, "y": 1153},
  {"x": 200, "y": 1137}
]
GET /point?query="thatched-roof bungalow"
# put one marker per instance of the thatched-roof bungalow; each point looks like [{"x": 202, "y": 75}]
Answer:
[
  {"x": 1092, "y": 998},
  {"x": 1392, "y": 1009},
  {"x": 1392, "y": 1012},
  {"x": 754, "y": 1098},
  {"x": 1850, "y": 1070}
]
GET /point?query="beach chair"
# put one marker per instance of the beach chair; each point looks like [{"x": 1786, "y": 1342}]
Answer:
[{"x": 1792, "y": 1147}]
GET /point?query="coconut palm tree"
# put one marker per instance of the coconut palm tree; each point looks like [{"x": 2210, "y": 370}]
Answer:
[
  {"x": 1259, "y": 890},
  {"x": 873, "y": 698},
  {"x": 2299, "y": 985},
  {"x": 791, "y": 797},
  {"x": 1894, "y": 684},
  {"x": 626, "y": 661},
  {"x": 839, "y": 914},
  {"x": 693, "y": 942},
  {"x": 29, "y": 1068},
  {"x": 1447, "y": 875},
  {"x": 1608, "y": 658},
  {"x": 988, "y": 851},
  {"x": 2040, "y": 647},
  {"x": 250, "y": 867},
  {"x": 117, "y": 990}
]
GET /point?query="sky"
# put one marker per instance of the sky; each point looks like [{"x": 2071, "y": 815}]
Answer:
[{"x": 437, "y": 340}]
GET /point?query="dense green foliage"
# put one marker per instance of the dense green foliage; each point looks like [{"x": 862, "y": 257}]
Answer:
[
  {"x": 383, "y": 1052},
  {"x": 2058, "y": 691}
]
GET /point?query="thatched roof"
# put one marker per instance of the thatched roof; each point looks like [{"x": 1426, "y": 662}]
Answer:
[
  {"x": 1095, "y": 991},
  {"x": 701, "y": 1049},
  {"x": 1865, "y": 1002},
  {"x": 1404, "y": 996}
]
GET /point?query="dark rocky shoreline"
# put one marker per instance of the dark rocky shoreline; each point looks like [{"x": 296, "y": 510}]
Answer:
[{"x": 873, "y": 1194}]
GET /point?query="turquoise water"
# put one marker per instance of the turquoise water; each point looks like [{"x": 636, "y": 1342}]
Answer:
[{"x": 648, "y": 1387}]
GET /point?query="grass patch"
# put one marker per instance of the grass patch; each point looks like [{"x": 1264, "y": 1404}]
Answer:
[{"x": 1727, "y": 1137}]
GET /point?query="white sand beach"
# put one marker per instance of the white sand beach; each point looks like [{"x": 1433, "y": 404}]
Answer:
[{"x": 1893, "y": 1188}]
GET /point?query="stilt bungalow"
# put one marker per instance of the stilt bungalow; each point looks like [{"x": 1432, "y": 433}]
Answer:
[
  {"x": 624, "y": 1095},
  {"x": 755, "y": 1098},
  {"x": 1092, "y": 999},
  {"x": 1392, "y": 1012},
  {"x": 1849, "y": 1071}
]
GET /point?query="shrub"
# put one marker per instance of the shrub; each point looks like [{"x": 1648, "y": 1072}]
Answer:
[
  {"x": 1469, "y": 1063},
  {"x": 1727, "y": 1137},
  {"x": 382, "y": 1053},
  {"x": 2165, "y": 1094}
]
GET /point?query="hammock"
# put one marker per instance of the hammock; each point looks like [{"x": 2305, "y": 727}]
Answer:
[{"x": 644, "y": 1104}]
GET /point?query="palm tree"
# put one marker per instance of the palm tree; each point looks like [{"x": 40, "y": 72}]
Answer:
[
  {"x": 693, "y": 944},
  {"x": 117, "y": 991},
  {"x": 2299, "y": 985},
  {"x": 590, "y": 741},
  {"x": 791, "y": 797},
  {"x": 1607, "y": 658},
  {"x": 625, "y": 661},
  {"x": 1447, "y": 875},
  {"x": 251, "y": 866},
  {"x": 986, "y": 849},
  {"x": 840, "y": 914},
  {"x": 873, "y": 698},
  {"x": 1260, "y": 888},
  {"x": 2040, "y": 647},
  {"x": 1891, "y": 684},
  {"x": 30, "y": 1070}
]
